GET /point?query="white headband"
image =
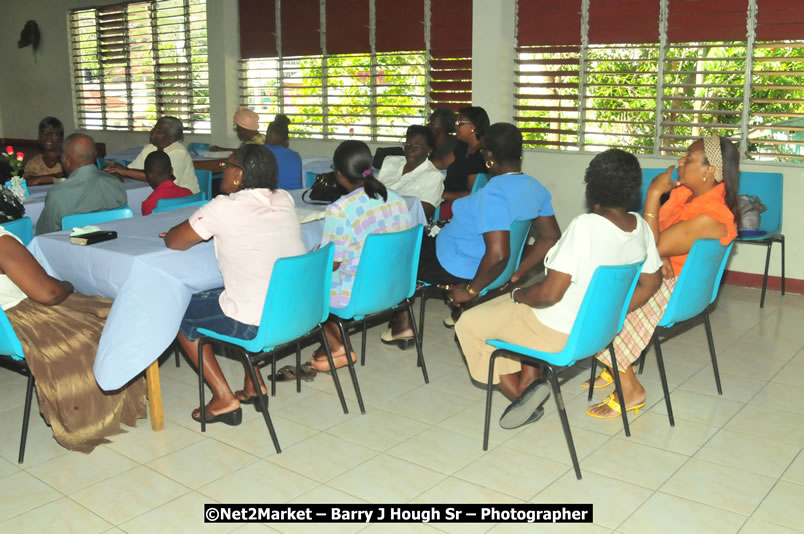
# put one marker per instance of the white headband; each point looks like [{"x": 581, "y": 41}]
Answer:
[{"x": 713, "y": 155}]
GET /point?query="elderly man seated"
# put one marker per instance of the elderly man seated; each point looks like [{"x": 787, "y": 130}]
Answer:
[
  {"x": 166, "y": 135},
  {"x": 87, "y": 190}
]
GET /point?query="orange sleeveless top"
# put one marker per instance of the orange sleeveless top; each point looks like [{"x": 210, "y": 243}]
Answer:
[{"x": 711, "y": 203}]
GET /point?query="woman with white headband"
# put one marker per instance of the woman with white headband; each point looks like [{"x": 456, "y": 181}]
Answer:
[{"x": 702, "y": 205}]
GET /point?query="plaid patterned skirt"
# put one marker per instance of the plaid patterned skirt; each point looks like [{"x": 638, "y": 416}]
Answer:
[{"x": 638, "y": 328}]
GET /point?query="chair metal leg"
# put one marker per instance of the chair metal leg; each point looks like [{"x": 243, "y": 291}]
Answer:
[
  {"x": 423, "y": 298},
  {"x": 26, "y": 415},
  {"x": 332, "y": 364},
  {"x": 298, "y": 367},
  {"x": 363, "y": 346},
  {"x": 489, "y": 389},
  {"x": 417, "y": 340},
  {"x": 781, "y": 241},
  {"x": 562, "y": 414},
  {"x": 619, "y": 390},
  {"x": 711, "y": 342},
  {"x": 203, "y": 407},
  {"x": 592, "y": 379},
  {"x": 642, "y": 358},
  {"x": 765, "y": 277},
  {"x": 262, "y": 400},
  {"x": 348, "y": 346},
  {"x": 660, "y": 361},
  {"x": 176, "y": 353},
  {"x": 273, "y": 375}
]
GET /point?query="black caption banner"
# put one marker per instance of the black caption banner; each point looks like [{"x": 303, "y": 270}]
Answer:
[{"x": 397, "y": 513}]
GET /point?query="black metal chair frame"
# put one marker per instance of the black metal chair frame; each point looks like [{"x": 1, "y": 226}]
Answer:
[
  {"x": 552, "y": 371},
  {"x": 417, "y": 336},
  {"x": 768, "y": 242},
  {"x": 21, "y": 366},
  {"x": 251, "y": 359}
]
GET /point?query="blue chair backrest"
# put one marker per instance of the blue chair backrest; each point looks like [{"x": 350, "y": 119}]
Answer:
[
  {"x": 95, "y": 217},
  {"x": 9, "y": 342},
  {"x": 696, "y": 287},
  {"x": 22, "y": 228},
  {"x": 171, "y": 207},
  {"x": 602, "y": 311},
  {"x": 386, "y": 274},
  {"x": 518, "y": 236},
  {"x": 481, "y": 179},
  {"x": 309, "y": 178},
  {"x": 178, "y": 201},
  {"x": 297, "y": 298},
  {"x": 204, "y": 182},
  {"x": 768, "y": 187}
]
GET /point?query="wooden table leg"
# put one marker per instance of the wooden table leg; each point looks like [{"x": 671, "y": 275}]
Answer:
[{"x": 155, "y": 397}]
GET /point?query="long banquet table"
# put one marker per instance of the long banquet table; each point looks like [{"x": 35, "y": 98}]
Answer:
[{"x": 151, "y": 286}]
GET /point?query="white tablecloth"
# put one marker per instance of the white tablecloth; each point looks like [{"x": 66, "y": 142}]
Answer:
[
  {"x": 136, "y": 192},
  {"x": 151, "y": 285}
]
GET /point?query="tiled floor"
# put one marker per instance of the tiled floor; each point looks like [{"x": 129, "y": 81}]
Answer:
[{"x": 732, "y": 463}]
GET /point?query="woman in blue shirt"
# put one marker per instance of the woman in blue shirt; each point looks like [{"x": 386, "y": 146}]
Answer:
[{"x": 289, "y": 161}]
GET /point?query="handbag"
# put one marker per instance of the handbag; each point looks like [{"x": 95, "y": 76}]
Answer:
[{"x": 325, "y": 189}]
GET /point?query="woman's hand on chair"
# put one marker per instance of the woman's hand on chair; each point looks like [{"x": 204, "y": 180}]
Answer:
[{"x": 458, "y": 294}]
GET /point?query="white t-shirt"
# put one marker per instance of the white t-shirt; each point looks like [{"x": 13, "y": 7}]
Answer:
[
  {"x": 425, "y": 182},
  {"x": 589, "y": 242},
  {"x": 180, "y": 160},
  {"x": 10, "y": 293},
  {"x": 252, "y": 229}
]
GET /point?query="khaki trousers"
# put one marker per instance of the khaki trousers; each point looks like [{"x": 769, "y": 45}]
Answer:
[{"x": 508, "y": 321}]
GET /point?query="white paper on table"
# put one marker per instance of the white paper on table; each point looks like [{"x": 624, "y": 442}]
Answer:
[
  {"x": 80, "y": 230},
  {"x": 308, "y": 214}
]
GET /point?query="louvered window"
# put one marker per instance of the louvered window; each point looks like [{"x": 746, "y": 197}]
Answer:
[{"x": 137, "y": 61}]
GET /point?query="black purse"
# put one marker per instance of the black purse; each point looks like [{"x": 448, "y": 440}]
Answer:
[{"x": 325, "y": 190}]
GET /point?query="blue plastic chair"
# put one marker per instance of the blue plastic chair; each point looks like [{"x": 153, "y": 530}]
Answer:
[
  {"x": 197, "y": 148},
  {"x": 204, "y": 182},
  {"x": 385, "y": 280},
  {"x": 481, "y": 179},
  {"x": 296, "y": 303},
  {"x": 599, "y": 319},
  {"x": 517, "y": 238},
  {"x": 22, "y": 228},
  {"x": 768, "y": 186},
  {"x": 309, "y": 178},
  {"x": 647, "y": 177},
  {"x": 180, "y": 201},
  {"x": 696, "y": 289},
  {"x": 95, "y": 217},
  {"x": 11, "y": 347}
]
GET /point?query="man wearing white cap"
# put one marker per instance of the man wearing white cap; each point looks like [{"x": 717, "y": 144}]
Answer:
[{"x": 247, "y": 126}]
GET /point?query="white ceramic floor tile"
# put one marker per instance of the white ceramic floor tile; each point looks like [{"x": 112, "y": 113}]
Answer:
[
  {"x": 142, "y": 444},
  {"x": 378, "y": 429},
  {"x": 322, "y": 457},
  {"x": 613, "y": 500},
  {"x": 715, "y": 485},
  {"x": 546, "y": 438},
  {"x": 72, "y": 472},
  {"x": 686, "y": 437},
  {"x": 214, "y": 458},
  {"x": 385, "y": 479},
  {"x": 21, "y": 492},
  {"x": 426, "y": 405},
  {"x": 70, "y": 517},
  {"x": 438, "y": 449},
  {"x": 249, "y": 485},
  {"x": 664, "y": 513},
  {"x": 756, "y": 526},
  {"x": 700, "y": 408},
  {"x": 183, "y": 514},
  {"x": 129, "y": 494},
  {"x": 783, "y": 505},
  {"x": 769, "y": 423},
  {"x": 632, "y": 462},
  {"x": 749, "y": 453}
]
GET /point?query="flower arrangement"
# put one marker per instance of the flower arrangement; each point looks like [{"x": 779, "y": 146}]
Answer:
[{"x": 14, "y": 161}]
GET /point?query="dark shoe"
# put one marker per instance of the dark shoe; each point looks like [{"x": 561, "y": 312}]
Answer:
[
  {"x": 288, "y": 373},
  {"x": 232, "y": 418},
  {"x": 403, "y": 343},
  {"x": 524, "y": 409}
]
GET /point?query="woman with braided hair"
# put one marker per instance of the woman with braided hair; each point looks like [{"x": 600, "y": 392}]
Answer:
[{"x": 702, "y": 205}]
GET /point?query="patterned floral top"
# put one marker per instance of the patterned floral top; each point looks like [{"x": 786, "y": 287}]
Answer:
[{"x": 349, "y": 220}]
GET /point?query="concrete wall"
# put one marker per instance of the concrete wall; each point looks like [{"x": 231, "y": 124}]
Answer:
[{"x": 44, "y": 88}]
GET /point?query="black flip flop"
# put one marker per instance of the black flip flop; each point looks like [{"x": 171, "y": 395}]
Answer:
[{"x": 288, "y": 373}]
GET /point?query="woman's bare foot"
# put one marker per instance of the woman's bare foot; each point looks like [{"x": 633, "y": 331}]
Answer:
[
  {"x": 217, "y": 406},
  {"x": 602, "y": 410}
]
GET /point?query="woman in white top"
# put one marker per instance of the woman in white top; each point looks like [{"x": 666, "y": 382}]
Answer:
[
  {"x": 541, "y": 316},
  {"x": 59, "y": 331},
  {"x": 413, "y": 174}
]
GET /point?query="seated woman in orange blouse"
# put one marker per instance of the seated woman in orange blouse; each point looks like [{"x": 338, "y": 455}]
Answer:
[{"x": 702, "y": 205}]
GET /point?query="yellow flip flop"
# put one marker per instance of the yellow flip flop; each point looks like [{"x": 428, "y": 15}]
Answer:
[
  {"x": 615, "y": 406},
  {"x": 605, "y": 375}
]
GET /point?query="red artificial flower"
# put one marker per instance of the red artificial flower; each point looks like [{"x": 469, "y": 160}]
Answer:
[
  {"x": 10, "y": 149},
  {"x": 20, "y": 155}
]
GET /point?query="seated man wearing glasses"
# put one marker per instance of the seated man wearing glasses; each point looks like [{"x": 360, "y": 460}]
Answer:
[{"x": 414, "y": 174}]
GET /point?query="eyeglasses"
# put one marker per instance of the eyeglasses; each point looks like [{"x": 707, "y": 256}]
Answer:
[
  {"x": 459, "y": 123},
  {"x": 411, "y": 146},
  {"x": 226, "y": 164}
]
